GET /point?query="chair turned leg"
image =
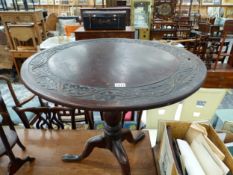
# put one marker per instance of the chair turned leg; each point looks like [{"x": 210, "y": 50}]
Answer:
[
  {"x": 15, "y": 165},
  {"x": 21, "y": 145}
]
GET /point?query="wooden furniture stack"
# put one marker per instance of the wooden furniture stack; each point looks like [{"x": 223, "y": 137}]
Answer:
[
  {"x": 184, "y": 25},
  {"x": 164, "y": 30},
  {"x": 22, "y": 17},
  {"x": 163, "y": 24},
  {"x": 24, "y": 43},
  {"x": 23, "y": 28}
]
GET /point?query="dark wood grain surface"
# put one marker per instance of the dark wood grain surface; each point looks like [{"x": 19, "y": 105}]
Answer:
[
  {"x": 86, "y": 74},
  {"x": 221, "y": 77},
  {"x": 82, "y": 34}
]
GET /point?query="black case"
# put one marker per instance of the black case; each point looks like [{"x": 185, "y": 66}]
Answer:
[{"x": 104, "y": 20}]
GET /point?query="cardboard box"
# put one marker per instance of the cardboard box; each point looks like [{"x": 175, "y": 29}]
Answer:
[{"x": 164, "y": 153}]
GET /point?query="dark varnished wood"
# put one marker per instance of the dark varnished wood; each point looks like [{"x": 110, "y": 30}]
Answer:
[
  {"x": 48, "y": 146},
  {"x": 112, "y": 139},
  {"x": 17, "y": 164},
  {"x": 113, "y": 8},
  {"x": 221, "y": 77},
  {"x": 84, "y": 74},
  {"x": 82, "y": 34}
]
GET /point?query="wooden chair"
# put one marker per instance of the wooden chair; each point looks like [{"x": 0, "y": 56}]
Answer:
[
  {"x": 215, "y": 43},
  {"x": 212, "y": 20},
  {"x": 8, "y": 138},
  {"x": 204, "y": 28},
  {"x": 13, "y": 100},
  {"x": 227, "y": 30},
  {"x": 215, "y": 31},
  {"x": 24, "y": 43},
  {"x": 197, "y": 45},
  {"x": 74, "y": 116},
  {"x": 65, "y": 115},
  {"x": 34, "y": 17},
  {"x": 47, "y": 117},
  {"x": 51, "y": 23},
  {"x": 184, "y": 26}
]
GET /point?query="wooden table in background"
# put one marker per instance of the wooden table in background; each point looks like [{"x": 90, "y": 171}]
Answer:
[
  {"x": 48, "y": 146},
  {"x": 81, "y": 33},
  {"x": 55, "y": 41}
]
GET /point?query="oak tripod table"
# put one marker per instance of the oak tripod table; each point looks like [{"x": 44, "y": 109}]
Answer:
[{"x": 113, "y": 75}]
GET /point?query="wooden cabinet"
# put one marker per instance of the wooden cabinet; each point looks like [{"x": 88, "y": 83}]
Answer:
[{"x": 81, "y": 33}]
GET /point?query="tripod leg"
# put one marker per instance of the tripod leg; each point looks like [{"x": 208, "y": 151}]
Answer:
[
  {"x": 97, "y": 141},
  {"x": 126, "y": 134},
  {"x": 119, "y": 152}
]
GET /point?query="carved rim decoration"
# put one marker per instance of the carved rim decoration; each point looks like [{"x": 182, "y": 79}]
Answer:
[{"x": 187, "y": 79}]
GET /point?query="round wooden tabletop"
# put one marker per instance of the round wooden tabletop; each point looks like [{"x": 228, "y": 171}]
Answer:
[{"x": 114, "y": 74}]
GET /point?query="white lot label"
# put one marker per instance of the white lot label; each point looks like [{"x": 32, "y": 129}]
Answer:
[{"x": 120, "y": 85}]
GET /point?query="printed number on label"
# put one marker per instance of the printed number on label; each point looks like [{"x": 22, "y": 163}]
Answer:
[{"x": 120, "y": 85}]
